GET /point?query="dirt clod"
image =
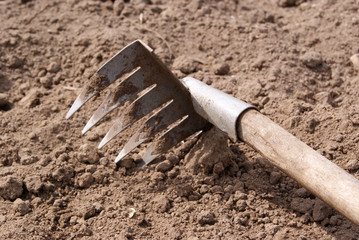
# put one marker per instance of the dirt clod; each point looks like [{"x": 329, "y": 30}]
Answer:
[
  {"x": 206, "y": 217},
  {"x": 88, "y": 154},
  {"x": 32, "y": 99},
  {"x": 33, "y": 184},
  {"x": 221, "y": 68},
  {"x": 311, "y": 59},
  {"x": 85, "y": 180},
  {"x": 97, "y": 82},
  {"x": 63, "y": 174},
  {"x": 15, "y": 62},
  {"x": 163, "y": 166},
  {"x": 126, "y": 163},
  {"x": 46, "y": 82},
  {"x": 11, "y": 187},
  {"x": 275, "y": 177},
  {"x": 185, "y": 64},
  {"x": 21, "y": 206},
  {"x": 352, "y": 165},
  {"x": 321, "y": 210},
  {"x": 302, "y": 205},
  {"x": 26, "y": 160},
  {"x": 211, "y": 154},
  {"x": 184, "y": 190},
  {"x": 54, "y": 67},
  {"x": 161, "y": 204}
]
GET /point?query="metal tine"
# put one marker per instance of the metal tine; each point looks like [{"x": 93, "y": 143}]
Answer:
[
  {"x": 158, "y": 122},
  {"x": 127, "y": 90},
  {"x": 123, "y": 62},
  {"x": 125, "y": 120},
  {"x": 185, "y": 128},
  {"x": 142, "y": 106}
]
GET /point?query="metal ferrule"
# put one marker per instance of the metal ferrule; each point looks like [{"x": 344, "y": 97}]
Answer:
[{"x": 217, "y": 107}]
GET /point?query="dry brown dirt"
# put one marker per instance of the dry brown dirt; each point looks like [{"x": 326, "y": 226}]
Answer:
[{"x": 289, "y": 58}]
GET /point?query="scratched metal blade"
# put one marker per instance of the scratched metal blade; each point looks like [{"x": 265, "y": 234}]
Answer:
[
  {"x": 127, "y": 90},
  {"x": 154, "y": 125},
  {"x": 171, "y": 138},
  {"x": 138, "y": 109},
  {"x": 123, "y": 62},
  {"x": 81, "y": 99}
]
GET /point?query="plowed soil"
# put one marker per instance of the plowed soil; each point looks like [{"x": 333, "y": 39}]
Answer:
[{"x": 289, "y": 58}]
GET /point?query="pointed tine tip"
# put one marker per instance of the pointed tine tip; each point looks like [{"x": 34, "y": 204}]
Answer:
[
  {"x": 141, "y": 164},
  {"x": 89, "y": 125},
  {"x": 103, "y": 142},
  {"x": 148, "y": 157},
  {"x": 81, "y": 99},
  {"x": 121, "y": 155},
  {"x": 115, "y": 129},
  {"x": 130, "y": 145},
  {"x": 75, "y": 106}
]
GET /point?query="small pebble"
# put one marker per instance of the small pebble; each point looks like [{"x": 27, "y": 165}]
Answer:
[
  {"x": 32, "y": 136},
  {"x": 41, "y": 73},
  {"x": 355, "y": 60}
]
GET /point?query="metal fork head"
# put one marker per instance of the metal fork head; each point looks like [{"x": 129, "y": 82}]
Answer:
[{"x": 157, "y": 98}]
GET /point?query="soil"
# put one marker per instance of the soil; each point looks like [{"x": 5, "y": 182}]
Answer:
[
  {"x": 97, "y": 83},
  {"x": 289, "y": 58}
]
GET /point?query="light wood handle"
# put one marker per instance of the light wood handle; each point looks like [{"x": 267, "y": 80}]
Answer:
[{"x": 320, "y": 176}]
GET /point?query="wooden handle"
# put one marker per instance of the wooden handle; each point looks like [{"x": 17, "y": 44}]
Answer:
[{"x": 320, "y": 176}]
